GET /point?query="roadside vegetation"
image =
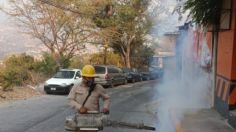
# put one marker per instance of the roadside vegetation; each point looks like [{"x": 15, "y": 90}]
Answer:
[
  {"x": 66, "y": 27},
  {"x": 22, "y": 69}
]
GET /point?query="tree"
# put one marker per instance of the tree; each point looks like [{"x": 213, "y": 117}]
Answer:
[
  {"x": 141, "y": 56},
  {"x": 96, "y": 58},
  {"x": 112, "y": 59},
  {"x": 63, "y": 33},
  {"x": 63, "y": 26},
  {"x": 47, "y": 66},
  {"x": 207, "y": 13},
  {"x": 129, "y": 22},
  {"x": 204, "y": 12}
]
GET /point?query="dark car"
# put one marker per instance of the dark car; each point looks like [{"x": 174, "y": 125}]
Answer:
[
  {"x": 156, "y": 72},
  {"x": 145, "y": 74},
  {"x": 132, "y": 75}
]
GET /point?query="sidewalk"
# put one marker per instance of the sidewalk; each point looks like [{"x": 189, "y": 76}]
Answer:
[{"x": 206, "y": 121}]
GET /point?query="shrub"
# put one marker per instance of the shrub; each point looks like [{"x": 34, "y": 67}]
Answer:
[
  {"x": 46, "y": 66},
  {"x": 16, "y": 71}
]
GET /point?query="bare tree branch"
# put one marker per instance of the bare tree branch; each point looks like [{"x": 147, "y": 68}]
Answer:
[
  {"x": 61, "y": 32},
  {"x": 62, "y": 7}
]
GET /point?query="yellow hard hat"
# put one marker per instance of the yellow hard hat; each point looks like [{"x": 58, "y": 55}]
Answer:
[{"x": 88, "y": 71}]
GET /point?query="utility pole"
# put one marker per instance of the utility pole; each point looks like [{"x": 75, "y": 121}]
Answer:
[
  {"x": 214, "y": 59},
  {"x": 105, "y": 51}
]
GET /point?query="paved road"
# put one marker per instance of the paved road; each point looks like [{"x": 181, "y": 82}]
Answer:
[{"x": 47, "y": 113}]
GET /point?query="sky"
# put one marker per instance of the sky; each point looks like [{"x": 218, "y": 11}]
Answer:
[{"x": 12, "y": 40}]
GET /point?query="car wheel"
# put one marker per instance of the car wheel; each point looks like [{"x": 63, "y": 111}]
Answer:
[
  {"x": 133, "y": 80},
  {"x": 112, "y": 85},
  {"x": 140, "y": 79},
  {"x": 125, "y": 82},
  {"x": 48, "y": 92},
  {"x": 105, "y": 86},
  {"x": 68, "y": 92}
]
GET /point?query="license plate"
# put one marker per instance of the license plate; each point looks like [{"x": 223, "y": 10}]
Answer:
[{"x": 53, "y": 89}]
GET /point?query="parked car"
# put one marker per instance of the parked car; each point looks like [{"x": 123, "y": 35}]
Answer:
[
  {"x": 63, "y": 81},
  {"x": 156, "y": 72},
  {"x": 108, "y": 75},
  {"x": 132, "y": 75},
  {"x": 151, "y": 73},
  {"x": 145, "y": 74}
]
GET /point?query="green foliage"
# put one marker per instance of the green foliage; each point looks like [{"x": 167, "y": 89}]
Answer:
[
  {"x": 141, "y": 56},
  {"x": 47, "y": 65},
  {"x": 17, "y": 71},
  {"x": 112, "y": 59},
  {"x": 23, "y": 60},
  {"x": 64, "y": 62},
  {"x": 79, "y": 61},
  {"x": 96, "y": 58},
  {"x": 127, "y": 13},
  {"x": 129, "y": 23},
  {"x": 13, "y": 76},
  {"x": 122, "y": 23},
  {"x": 204, "y": 12},
  {"x": 23, "y": 69}
]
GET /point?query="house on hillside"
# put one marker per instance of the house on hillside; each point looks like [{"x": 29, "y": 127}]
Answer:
[{"x": 165, "y": 50}]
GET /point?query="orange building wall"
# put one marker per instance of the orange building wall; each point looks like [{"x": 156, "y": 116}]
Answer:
[
  {"x": 225, "y": 49},
  {"x": 209, "y": 41},
  {"x": 233, "y": 69}
]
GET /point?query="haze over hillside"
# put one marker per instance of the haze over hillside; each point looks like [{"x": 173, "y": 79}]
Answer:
[{"x": 12, "y": 40}]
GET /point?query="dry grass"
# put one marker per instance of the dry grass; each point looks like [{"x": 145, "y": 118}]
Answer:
[{"x": 18, "y": 93}]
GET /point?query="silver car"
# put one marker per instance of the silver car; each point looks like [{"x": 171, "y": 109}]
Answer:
[{"x": 108, "y": 75}]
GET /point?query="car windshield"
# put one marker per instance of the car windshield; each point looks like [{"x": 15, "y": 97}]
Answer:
[
  {"x": 126, "y": 70},
  {"x": 143, "y": 70},
  {"x": 65, "y": 74},
  {"x": 99, "y": 69}
]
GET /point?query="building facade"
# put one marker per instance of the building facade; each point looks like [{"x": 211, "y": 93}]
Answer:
[{"x": 225, "y": 90}]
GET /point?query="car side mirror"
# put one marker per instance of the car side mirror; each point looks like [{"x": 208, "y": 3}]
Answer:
[{"x": 77, "y": 77}]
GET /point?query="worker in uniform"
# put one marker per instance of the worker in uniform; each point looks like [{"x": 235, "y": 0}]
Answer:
[
  {"x": 79, "y": 93},
  {"x": 85, "y": 98},
  {"x": 79, "y": 97}
]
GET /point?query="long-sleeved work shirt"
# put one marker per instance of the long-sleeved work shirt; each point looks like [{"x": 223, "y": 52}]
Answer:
[{"x": 79, "y": 93}]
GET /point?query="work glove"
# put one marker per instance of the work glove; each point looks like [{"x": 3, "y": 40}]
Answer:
[
  {"x": 83, "y": 110},
  {"x": 105, "y": 111}
]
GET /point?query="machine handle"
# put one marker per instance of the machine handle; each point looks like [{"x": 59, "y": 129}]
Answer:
[{"x": 149, "y": 128}]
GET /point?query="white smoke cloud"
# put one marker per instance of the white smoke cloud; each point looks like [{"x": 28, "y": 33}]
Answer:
[
  {"x": 186, "y": 87},
  {"x": 164, "y": 16}
]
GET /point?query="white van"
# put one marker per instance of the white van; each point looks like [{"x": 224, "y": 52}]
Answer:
[{"x": 63, "y": 81}]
